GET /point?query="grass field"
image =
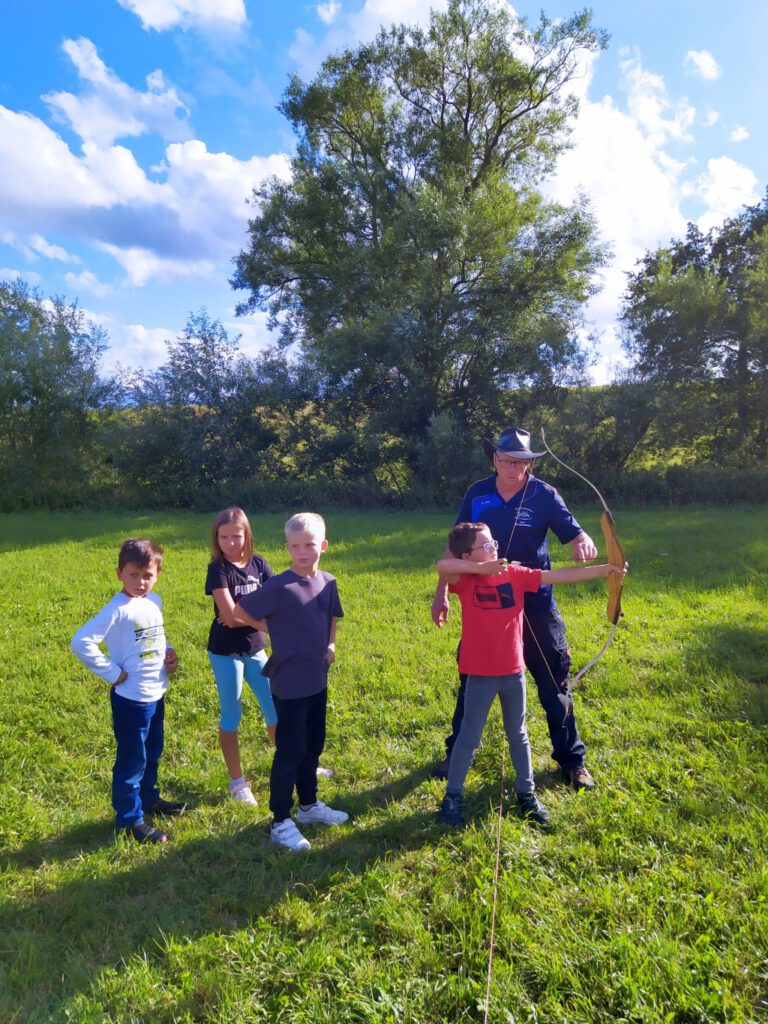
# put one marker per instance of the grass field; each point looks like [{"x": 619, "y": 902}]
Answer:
[{"x": 645, "y": 902}]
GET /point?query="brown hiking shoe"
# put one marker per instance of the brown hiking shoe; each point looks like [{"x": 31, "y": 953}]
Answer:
[{"x": 578, "y": 778}]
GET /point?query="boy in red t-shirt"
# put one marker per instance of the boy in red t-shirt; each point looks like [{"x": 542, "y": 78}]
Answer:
[{"x": 492, "y": 592}]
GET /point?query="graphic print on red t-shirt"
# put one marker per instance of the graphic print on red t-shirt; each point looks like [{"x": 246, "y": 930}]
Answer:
[
  {"x": 492, "y": 621},
  {"x": 500, "y": 596}
]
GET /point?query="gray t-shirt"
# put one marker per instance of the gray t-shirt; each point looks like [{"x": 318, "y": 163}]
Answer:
[{"x": 299, "y": 611}]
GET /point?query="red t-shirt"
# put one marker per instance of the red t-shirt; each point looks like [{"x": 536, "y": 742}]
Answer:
[{"x": 492, "y": 620}]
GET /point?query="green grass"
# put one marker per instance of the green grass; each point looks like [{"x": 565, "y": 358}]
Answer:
[{"x": 645, "y": 902}]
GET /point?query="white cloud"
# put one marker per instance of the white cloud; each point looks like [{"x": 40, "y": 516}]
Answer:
[
  {"x": 711, "y": 118},
  {"x": 111, "y": 109},
  {"x": 702, "y": 64},
  {"x": 88, "y": 282},
  {"x": 635, "y": 194},
  {"x": 651, "y": 107},
  {"x": 203, "y": 14},
  {"x": 327, "y": 12},
  {"x": 725, "y": 187},
  {"x": 175, "y": 227},
  {"x": 739, "y": 133},
  {"x": 253, "y": 331},
  {"x": 143, "y": 265},
  {"x": 52, "y": 252},
  {"x": 351, "y": 28},
  {"x": 211, "y": 190},
  {"x": 10, "y": 274},
  {"x": 134, "y": 345}
]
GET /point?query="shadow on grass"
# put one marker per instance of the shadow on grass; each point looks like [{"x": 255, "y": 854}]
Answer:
[
  {"x": 743, "y": 651},
  {"x": 213, "y": 884}
]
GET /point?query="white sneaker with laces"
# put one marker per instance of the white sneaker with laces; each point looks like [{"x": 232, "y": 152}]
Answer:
[
  {"x": 243, "y": 795},
  {"x": 320, "y": 814},
  {"x": 286, "y": 834}
]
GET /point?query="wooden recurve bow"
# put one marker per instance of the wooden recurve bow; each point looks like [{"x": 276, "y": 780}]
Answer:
[{"x": 615, "y": 557}]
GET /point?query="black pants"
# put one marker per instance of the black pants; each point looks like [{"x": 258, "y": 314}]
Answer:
[
  {"x": 299, "y": 742},
  {"x": 548, "y": 662}
]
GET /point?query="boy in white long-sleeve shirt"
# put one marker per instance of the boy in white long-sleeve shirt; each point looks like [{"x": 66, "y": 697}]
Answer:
[{"x": 136, "y": 667}]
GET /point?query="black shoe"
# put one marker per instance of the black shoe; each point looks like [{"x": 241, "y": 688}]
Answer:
[
  {"x": 167, "y": 808},
  {"x": 144, "y": 833},
  {"x": 440, "y": 771},
  {"x": 530, "y": 809},
  {"x": 451, "y": 810},
  {"x": 578, "y": 778}
]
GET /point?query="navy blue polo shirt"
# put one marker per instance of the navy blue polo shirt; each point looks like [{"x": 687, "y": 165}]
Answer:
[{"x": 520, "y": 525}]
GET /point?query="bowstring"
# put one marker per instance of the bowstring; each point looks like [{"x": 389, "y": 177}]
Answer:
[
  {"x": 500, "y": 814},
  {"x": 506, "y": 553}
]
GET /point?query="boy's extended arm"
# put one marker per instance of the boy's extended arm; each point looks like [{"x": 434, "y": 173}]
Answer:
[
  {"x": 451, "y": 568},
  {"x": 580, "y": 573}
]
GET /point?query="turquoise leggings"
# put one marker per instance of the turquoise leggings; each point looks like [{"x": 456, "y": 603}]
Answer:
[{"x": 229, "y": 670}]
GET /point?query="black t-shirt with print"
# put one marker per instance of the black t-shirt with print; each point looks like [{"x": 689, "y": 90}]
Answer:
[{"x": 226, "y": 576}]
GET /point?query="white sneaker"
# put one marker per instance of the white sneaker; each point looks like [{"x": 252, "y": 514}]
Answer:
[
  {"x": 286, "y": 834},
  {"x": 243, "y": 795},
  {"x": 321, "y": 814},
  {"x": 324, "y": 773}
]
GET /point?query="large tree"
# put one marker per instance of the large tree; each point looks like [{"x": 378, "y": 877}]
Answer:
[
  {"x": 193, "y": 422},
  {"x": 49, "y": 389},
  {"x": 412, "y": 255},
  {"x": 695, "y": 324}
]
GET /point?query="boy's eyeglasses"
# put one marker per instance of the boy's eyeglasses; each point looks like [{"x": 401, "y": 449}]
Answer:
[{"x": 488, "y": 546}]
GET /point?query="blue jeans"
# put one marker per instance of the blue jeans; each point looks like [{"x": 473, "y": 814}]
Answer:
[
  {"x": 138, "y": 728},
  {"x": 548, "y": 662}
]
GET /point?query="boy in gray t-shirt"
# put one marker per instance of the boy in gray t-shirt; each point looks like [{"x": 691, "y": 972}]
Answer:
[{"x": 300, "y": 609}]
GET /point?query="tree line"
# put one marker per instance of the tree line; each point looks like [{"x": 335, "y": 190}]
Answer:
[{"x": 423, "y": 292}]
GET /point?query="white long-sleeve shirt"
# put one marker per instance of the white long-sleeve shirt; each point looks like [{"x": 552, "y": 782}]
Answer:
[{"x": 133, "y": 631}]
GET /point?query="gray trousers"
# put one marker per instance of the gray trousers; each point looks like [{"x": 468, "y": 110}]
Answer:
[{"x": 481, "y": 691}]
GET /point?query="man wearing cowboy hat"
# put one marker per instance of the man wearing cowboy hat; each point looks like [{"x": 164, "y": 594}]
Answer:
[{"x": 519, "y": 510}]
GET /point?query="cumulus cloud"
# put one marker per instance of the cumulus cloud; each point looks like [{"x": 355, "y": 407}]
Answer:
[
  {"x": 711, "y": 118},
  {"x": 739, "y": 134},
  {"x": 352, "y": 27},
  {"x": 11, "y": 274},
  {"x": 133, "y": 345},
  {"x": 327, "y": 12},
  {"x": 650, "y": 106},
  {"x": 725, "y": 187},
  {"x": 702, "y": 64},
  {"x": 211, "y": 189},
  {"x": 110, "y": 109},
  {"x": 204, "y": 14},
  {"x": 52, "y": 252},
  {"x": 175, "y": 227},
  {"x": 88, "y": 282},
  {"x": 252, "y": 331}
]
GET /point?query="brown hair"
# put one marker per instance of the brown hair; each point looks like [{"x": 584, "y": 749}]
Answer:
[
  {"x": 239, "y": 518},
  {"x": 461, "y": 539},
  {"x": 140, "y": 552}
]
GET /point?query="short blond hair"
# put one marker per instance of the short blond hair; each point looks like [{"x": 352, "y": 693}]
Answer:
[{"x": 306, "y": 522}]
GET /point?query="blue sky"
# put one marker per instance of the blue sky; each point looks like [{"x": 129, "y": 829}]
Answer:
[{"x": 132, "y": 133}]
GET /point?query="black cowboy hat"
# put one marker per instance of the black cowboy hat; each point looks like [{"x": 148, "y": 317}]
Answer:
[{"x": 513, "y": 442}]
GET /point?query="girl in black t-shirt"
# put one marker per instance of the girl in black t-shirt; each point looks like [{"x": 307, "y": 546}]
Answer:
[{"x": 236, "y": 652}]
